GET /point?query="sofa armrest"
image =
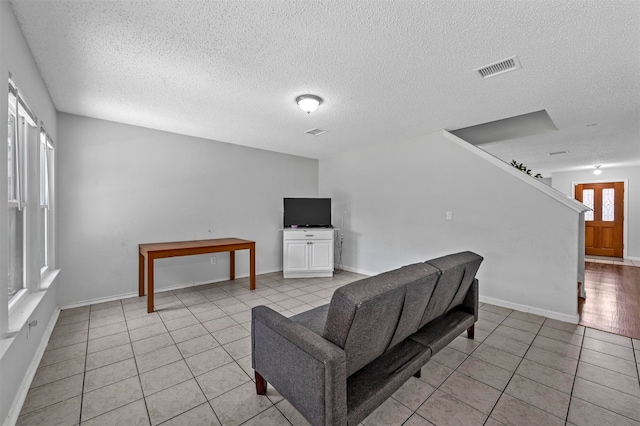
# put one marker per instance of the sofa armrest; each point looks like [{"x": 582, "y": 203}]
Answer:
[
  {"x": 309, "y": 371},
  {"x": 471, "y": 301}
]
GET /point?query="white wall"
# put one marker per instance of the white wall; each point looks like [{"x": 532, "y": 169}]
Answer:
[
  {"x": 19, "y": 354},
  {"x": 563, "y": 181},
  {"x": 396, "y": 197},
  {"x": 122, "y": 185}
]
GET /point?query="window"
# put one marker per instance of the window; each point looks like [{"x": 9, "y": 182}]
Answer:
[
  {"x": 608, "y": 204},
  {"x": 21, "y": 129},
  {"x": 587, "y": 200},
  {"x": 46, "y": 160},
  {"x": 16, "y": 211}
]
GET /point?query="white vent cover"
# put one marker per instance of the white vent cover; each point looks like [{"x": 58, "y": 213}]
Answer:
[
  {"x": 500, "y": 67},
  {"x": 316, "y": 132}
]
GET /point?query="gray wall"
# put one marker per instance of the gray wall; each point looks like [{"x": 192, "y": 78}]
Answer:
[
  {"x": 18, "y": 354},
  {"x": 121, "y": 185},
  {"x": 564, "y": 181},
  {"x": 396, "y": 197}
]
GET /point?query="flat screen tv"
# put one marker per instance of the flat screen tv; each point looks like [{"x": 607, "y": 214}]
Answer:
[{"x": 307, "y": 212}]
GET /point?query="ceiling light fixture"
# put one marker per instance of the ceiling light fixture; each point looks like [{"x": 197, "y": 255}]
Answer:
[
  {"x": 308, "y": 103},
  {"x": 597, "y": 171}
]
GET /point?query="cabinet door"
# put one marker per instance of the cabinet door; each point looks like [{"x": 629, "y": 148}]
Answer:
[
  {"x": 296, "y": 256},
  {"x": 321, "y": 255}
]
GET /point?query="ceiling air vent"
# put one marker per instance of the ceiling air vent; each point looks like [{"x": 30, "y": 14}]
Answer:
[
  {"x": 500, "y": 67},
  {"x": 316, "y": 132}
]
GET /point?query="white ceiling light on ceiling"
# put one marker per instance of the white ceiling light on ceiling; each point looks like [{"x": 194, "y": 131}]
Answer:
[
  {"x": 308, "y": 103},
  {"x": 597, "y": 171}
]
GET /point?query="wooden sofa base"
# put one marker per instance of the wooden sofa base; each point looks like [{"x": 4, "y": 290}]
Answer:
[{"x": 261, "y": 384}]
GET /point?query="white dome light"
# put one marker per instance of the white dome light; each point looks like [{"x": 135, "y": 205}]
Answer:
[
  {"x": 308, "y": 103},
  {"x": 597, "y": 171}
]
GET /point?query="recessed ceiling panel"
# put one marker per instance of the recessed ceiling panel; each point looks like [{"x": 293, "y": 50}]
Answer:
[{"x": 533, "y": 123}]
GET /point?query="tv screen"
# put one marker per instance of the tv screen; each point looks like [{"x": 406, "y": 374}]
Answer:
[{"x": 307, "y": 212}]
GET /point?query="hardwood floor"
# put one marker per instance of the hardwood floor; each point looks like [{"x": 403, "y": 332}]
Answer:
[{"x": 613, "y": 299}]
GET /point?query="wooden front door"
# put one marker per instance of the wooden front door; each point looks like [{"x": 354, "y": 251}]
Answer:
[{"x": 603, "y": 226}]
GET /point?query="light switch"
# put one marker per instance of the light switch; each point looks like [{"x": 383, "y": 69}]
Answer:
[{"x": 449, "y": 215}]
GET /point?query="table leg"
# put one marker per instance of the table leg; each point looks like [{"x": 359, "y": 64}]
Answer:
[
  {"x": 140, "y": 274},
  {"x": 232, "y": 263},
  {"x": 149, "y": 284},
  {"x": 252, "y": 267}
]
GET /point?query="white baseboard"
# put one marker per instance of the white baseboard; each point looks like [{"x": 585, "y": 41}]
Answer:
[
  {"x": 157, "y": 290},
  {"x": 21, "y": 395},
  {"x": 134, "y": 294},
  {"x": 573, "y": 319},
  {"x": 358, "y": 271},
  {"x": 98, "y": 300},
  {"x": 632, "y": 258}
]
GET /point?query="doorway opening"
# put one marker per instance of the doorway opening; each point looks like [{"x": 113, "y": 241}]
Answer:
[{"x": 604, "y": 225}]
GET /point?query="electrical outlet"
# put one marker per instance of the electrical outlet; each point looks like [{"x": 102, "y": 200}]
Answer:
[
  {"x": 449, "y": 215},
  {"x": 31, "y": 323},
  {"x": 213, "y": 260}
]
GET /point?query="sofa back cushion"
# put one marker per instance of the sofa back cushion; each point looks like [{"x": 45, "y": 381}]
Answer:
[
  {"x": 457, "y": 273},
  {"x": 369, "y": 316},
  {"x": 417, "y": 296}
]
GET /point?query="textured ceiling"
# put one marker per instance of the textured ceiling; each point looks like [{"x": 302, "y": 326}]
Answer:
[{"x": 387, "y": 70}]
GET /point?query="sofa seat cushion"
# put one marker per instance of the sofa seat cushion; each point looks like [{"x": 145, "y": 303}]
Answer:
[
  {"x": 313, "y": 319},
  {"x": 372, "y": 385},
  {"x": 441, "y": 331}
]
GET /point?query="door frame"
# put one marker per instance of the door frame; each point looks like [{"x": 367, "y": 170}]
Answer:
[{"x": 625, "y": 222}]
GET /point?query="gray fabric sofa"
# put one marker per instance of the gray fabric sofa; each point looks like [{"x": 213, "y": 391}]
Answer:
[{"x": 338, "y": 362}]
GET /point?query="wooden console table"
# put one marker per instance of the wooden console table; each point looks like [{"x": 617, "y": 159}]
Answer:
[{"x": 189, "y": 248}]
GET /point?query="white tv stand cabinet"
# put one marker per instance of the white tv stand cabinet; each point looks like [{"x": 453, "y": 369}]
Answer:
[{"x": 307, "y": 252}]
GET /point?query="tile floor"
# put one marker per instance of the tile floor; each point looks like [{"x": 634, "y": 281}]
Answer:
[{"x": 189, "y": 363}]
